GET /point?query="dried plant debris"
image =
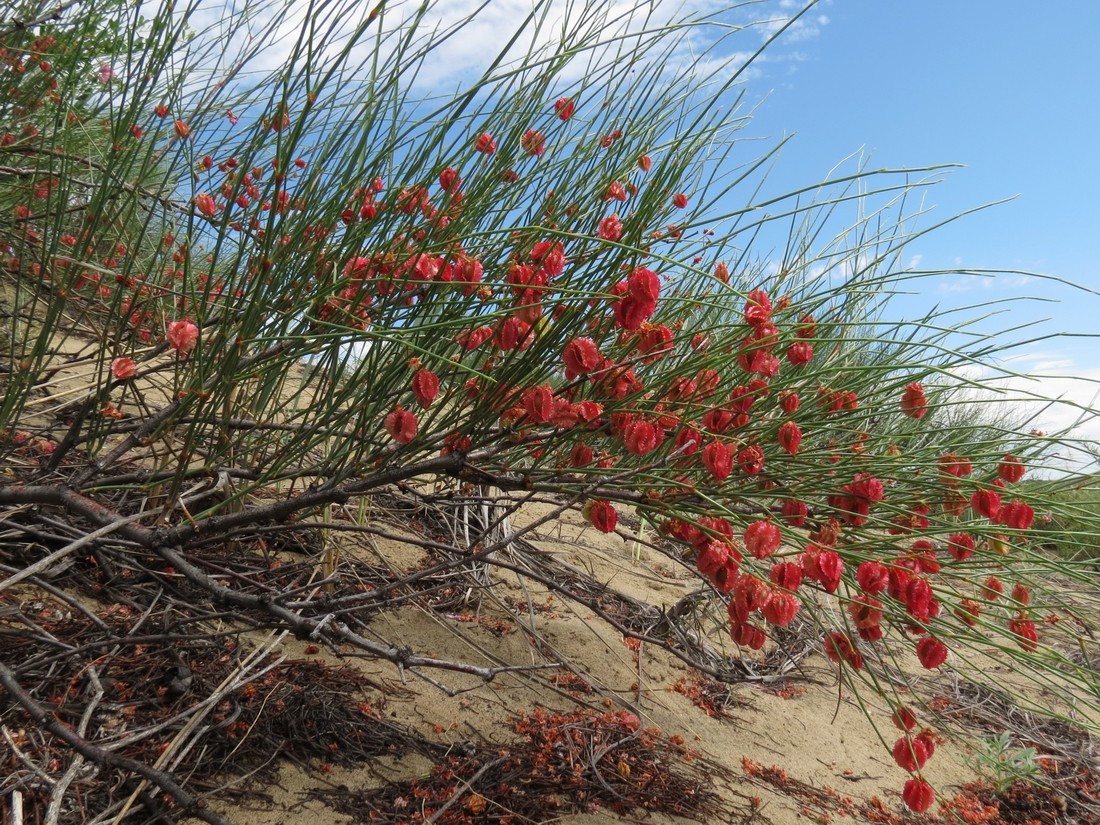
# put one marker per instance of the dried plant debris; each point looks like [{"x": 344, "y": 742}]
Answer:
[
  {"x": 561, "y": 763},
  {"x": 198, "y": 705}
]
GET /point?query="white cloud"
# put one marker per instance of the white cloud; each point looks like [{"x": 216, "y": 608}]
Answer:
[
  {"x": 965, "y": 282},
  {"x": 1048, "y": 393},
  {"x": 477, "y": 31}
]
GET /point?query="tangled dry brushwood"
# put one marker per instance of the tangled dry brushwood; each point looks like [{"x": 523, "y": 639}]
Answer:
[{"x": 166, "y": 656}]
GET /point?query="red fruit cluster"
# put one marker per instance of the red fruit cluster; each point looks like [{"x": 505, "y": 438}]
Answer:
[{"x": 721, "y": 412}]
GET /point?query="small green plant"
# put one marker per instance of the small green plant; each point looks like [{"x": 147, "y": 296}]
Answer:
[{"x": 1000, "y": 763}]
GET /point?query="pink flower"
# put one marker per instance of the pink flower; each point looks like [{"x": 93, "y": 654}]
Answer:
[{"x": 182, "y": 335}]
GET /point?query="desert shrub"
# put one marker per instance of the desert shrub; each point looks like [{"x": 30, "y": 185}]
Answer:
[{"x": 256, "y": 266}]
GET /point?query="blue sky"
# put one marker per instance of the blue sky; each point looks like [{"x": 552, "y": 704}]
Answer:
[
  {"x": 1007, "y": 88},
  {"x": 997, "y": 86}
]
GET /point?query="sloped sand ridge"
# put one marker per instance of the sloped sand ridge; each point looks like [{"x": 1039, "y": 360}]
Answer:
[{"x": 560, "y": 691}]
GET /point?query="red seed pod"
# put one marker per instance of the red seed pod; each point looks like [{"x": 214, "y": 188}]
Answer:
[
  {"x": 401, "y": 424},
  {"x": 182, "y": 336},
  {"x": 717, "y": 526},
  {"x": 449, "y": 180},
  {"x": 644, "y": 285},
  {"x": 789, "y": 402},
  {"x": 931, "y": 652},
  {"x": 470, "y": 339},
  {"x": 680, "y": 200},
  {"x": 564, "y": 108},
  {"x": 927, "y": 738},
  {"x": 123, "y": 369},
  {"x": 758, "y": 308},
  {"x": 1024, "y": 630},
  {"x": 800, "y": 353},
  {"x": 1017, "y": 515},
  {"x": 688, "y": 441},
  {"x": 873, "y": 577},
  {"x": 790, "y": 437},
  {"x": 918, "y": 599},
  {"x": 712, "y": 556},
  {"x": 533, "y": 142},
  {"x": 795, "y": 512},
  {"x": 992, "y": 589},
  {"x": 953, "y": 466},
  {"x": 870, "y": 634},
  {"x": 748, "y": 635},
  {"x": 904, "y": 718},
  {"x": 717, "y": 459},
  {"x": 581, "y": 356},
  {"x": 538, "y": 403},
  {"x": 581, "y": 455},
  {"x": 602, "y": 515},
  {"x": 986, "y": 503},
  {"x": 724, "y": 578},
  {"x": 751, "y": 594},
  {"x": 913, "y": 401},
  {"x": 610, "y": 228},
  {"x": 865, "y": 610},
  {"x": 513, "y": 334},
  {"x": 781, "y": 608},
  {"x": 750, "y": 460},
  {"x": 839, "y": 648},
  {"x": 485, "y": 144},
  {"x": 961, "y": 546},
  {"x": 762, "y": 538},
  {"x": 911, "y": 754},
  {"x": 425, "y": 384},
  {"x": 918, "y": 795},
  {"x": 1011, "y": 469},
  {"x": 787, "y": 575},
  {"x": 968, "y": 612},
  {"x": 718, "y": 420},
  {"x": 642, "y": 437},
  {"x": 1021, "y": 593},
  {"x": 830, "y": 568}
]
